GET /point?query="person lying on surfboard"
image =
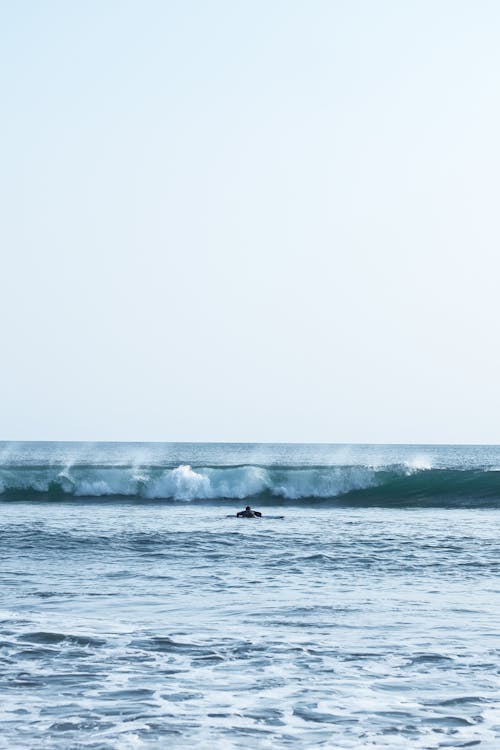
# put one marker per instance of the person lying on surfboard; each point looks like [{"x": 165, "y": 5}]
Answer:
[{"x": 249, "y": 513}]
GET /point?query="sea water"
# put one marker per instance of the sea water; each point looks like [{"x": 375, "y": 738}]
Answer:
[{"x": 137, "y": 611}]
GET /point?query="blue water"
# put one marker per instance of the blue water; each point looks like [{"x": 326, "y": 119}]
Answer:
[{"x": 135, "y": 613}]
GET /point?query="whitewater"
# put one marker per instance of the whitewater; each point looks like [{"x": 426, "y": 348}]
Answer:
[
  {"x": 267, "y": 473},
  {"x": 136, "y": 610}
]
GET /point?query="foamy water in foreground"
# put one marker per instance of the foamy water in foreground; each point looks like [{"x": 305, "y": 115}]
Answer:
[{"x": 137, "y": 623}]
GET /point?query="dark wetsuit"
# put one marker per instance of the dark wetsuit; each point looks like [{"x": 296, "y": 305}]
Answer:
[{"x": 249, "y": 514}]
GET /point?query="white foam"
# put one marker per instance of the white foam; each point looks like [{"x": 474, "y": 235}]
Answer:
[
  {"x": 418, "y": 463},
  {"x": 187, "y": 483},
  {"x": 181, "y": 483},
  {"x": 324, "y": 482}
]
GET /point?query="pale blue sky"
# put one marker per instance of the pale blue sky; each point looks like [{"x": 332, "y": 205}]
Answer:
[{"x": 250, "y": 220}]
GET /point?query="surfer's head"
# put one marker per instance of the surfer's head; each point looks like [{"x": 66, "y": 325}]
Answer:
[{"x": 248, "y": 508}]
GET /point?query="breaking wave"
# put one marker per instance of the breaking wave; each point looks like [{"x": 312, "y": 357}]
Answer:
[{"x": 407, "y": 484}]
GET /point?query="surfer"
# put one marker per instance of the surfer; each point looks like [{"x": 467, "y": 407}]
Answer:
[{"x": 249, "y": 513}]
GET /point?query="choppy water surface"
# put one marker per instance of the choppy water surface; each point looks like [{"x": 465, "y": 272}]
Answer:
[
  {"x": 125, "y": 626},
  {"x": 130, "y": 624}
]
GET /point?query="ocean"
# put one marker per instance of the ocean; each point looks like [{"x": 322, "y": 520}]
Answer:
[{"x": 136, "y": 610}]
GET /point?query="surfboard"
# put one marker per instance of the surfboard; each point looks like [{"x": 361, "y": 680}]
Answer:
[{"x": 254, "y": 517}]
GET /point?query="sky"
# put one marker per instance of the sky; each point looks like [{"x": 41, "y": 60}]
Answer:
[{"x": 250, "y": 221}]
